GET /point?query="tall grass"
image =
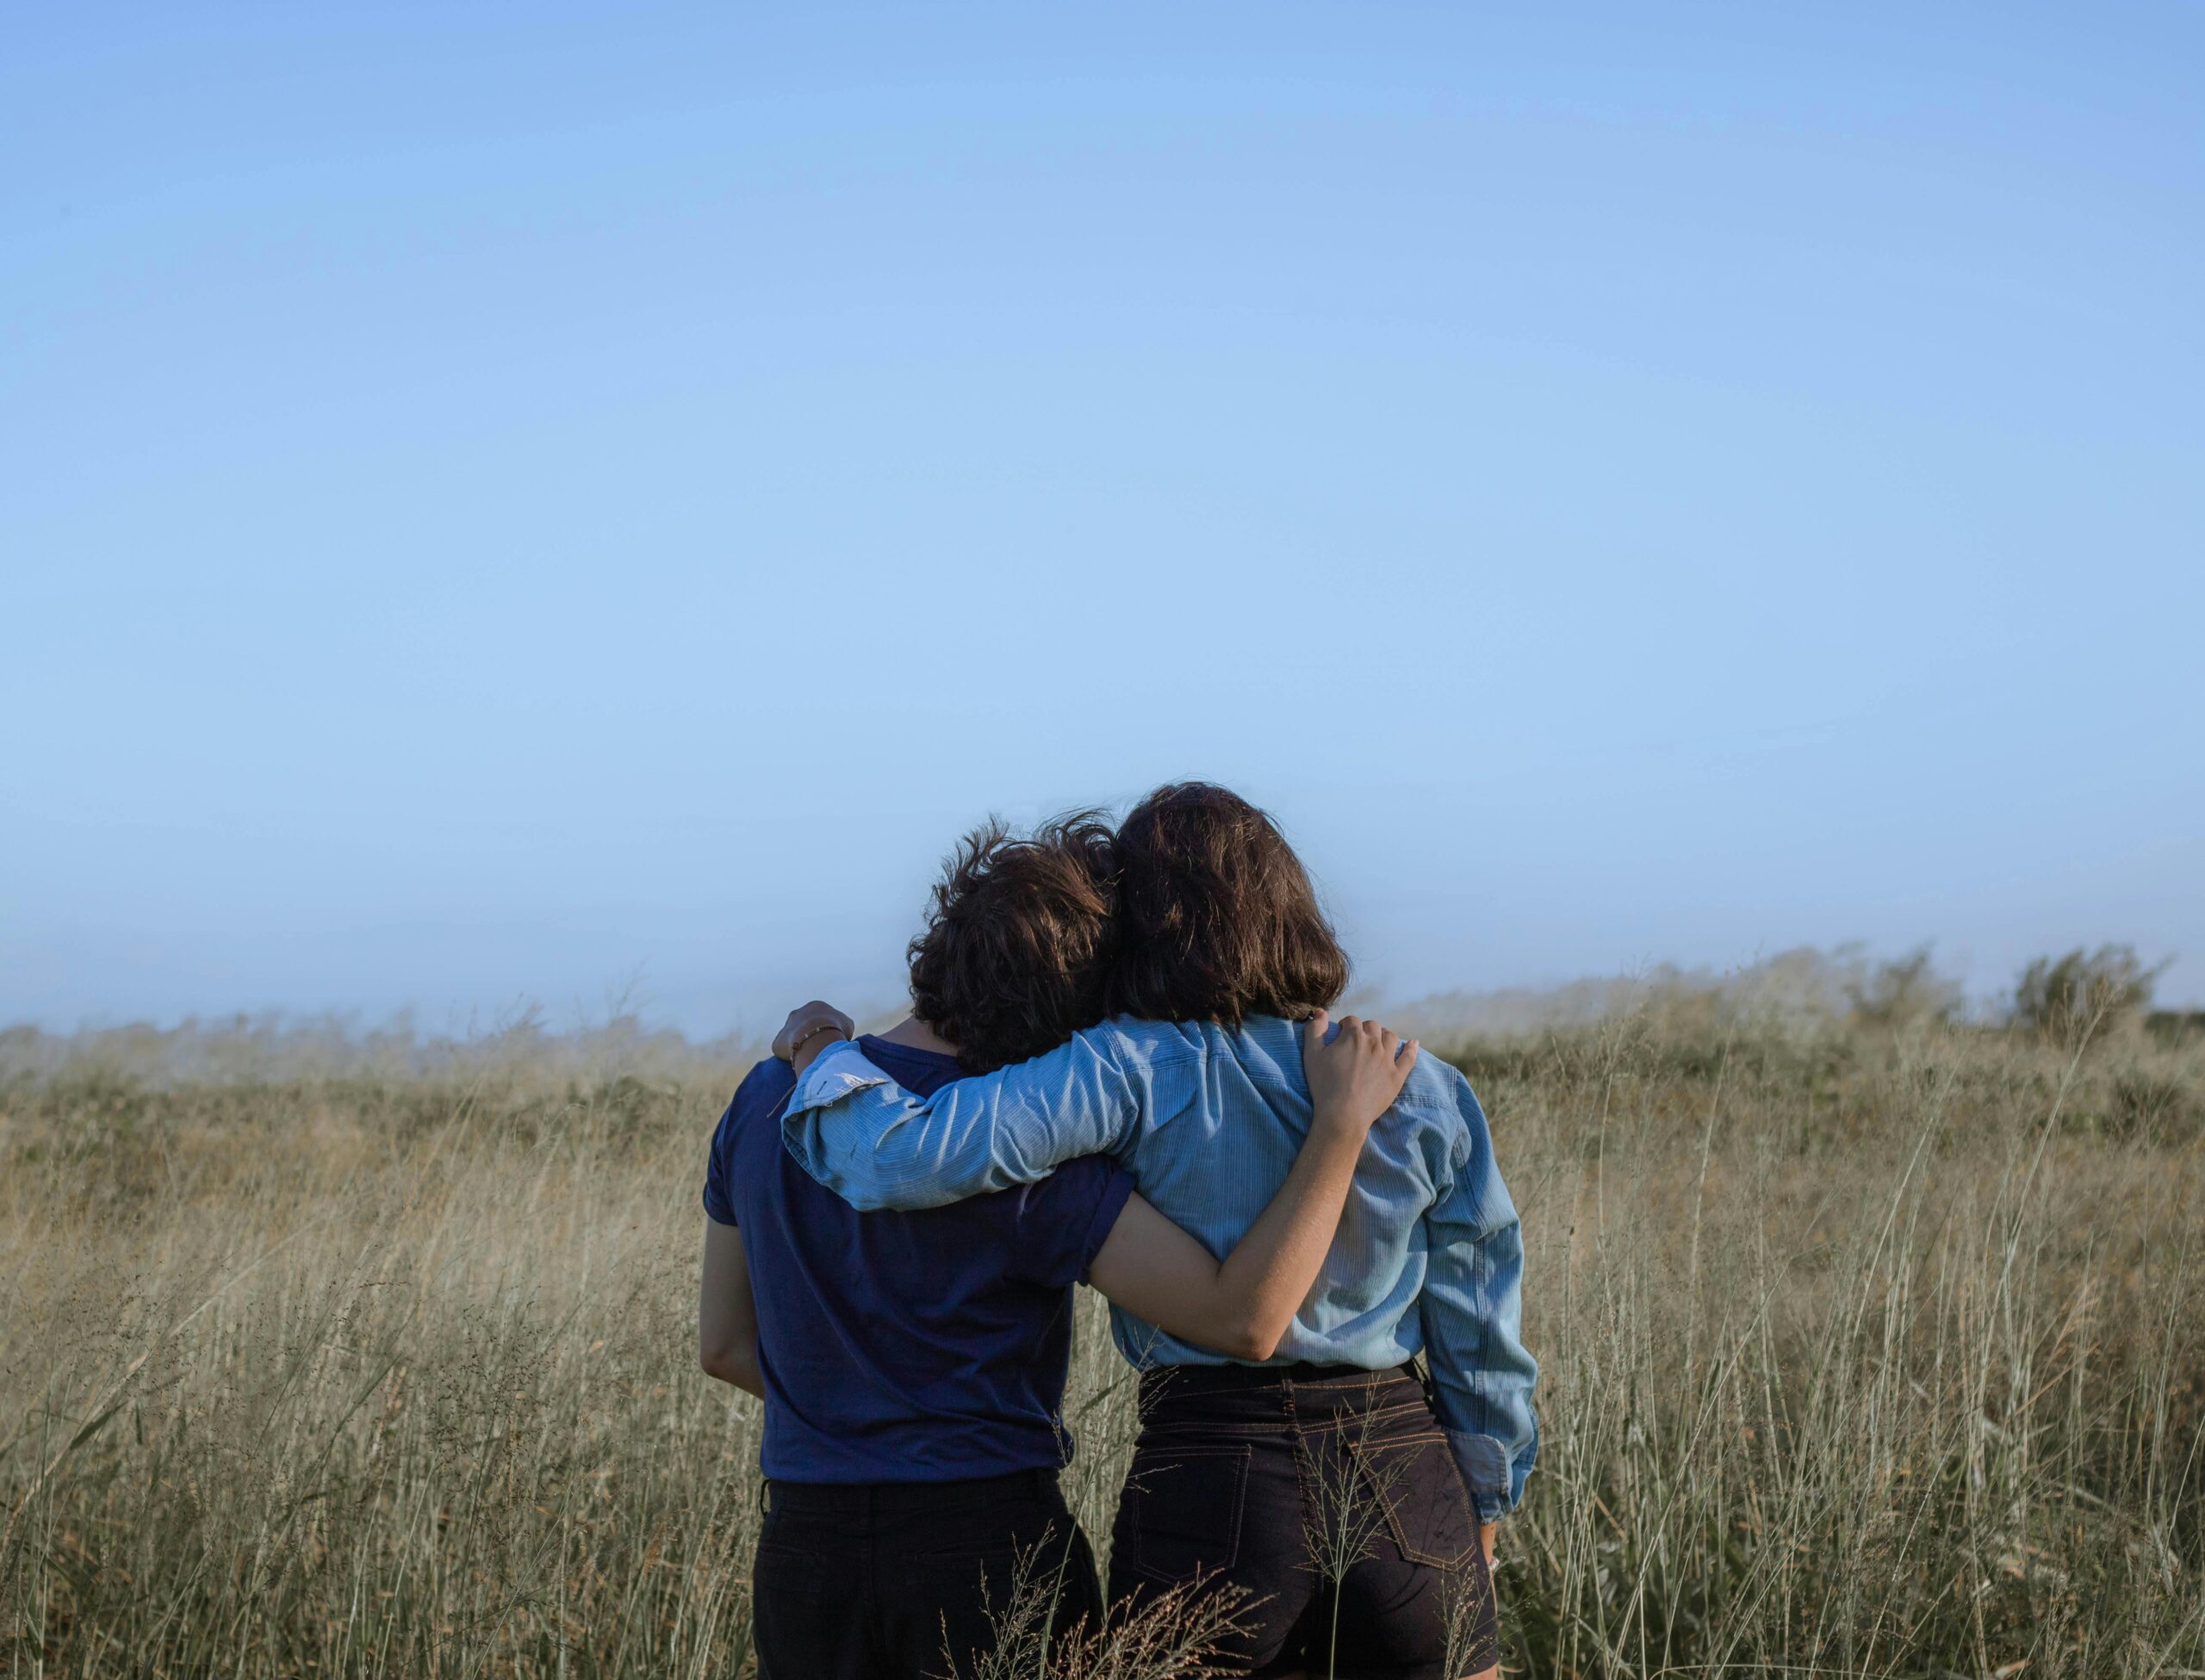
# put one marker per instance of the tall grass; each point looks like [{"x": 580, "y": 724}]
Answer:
[{"x": 1865, "y": 1353}]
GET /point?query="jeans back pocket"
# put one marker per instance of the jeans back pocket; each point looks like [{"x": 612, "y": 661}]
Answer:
[
  {"x": 1182, "y": 1510},
  {"x": 1415, "y": 1483}
]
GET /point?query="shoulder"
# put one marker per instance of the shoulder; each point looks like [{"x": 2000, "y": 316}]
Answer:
[
  {"x": 763, "y": 1092},
  {"x": 1437, "y": 1085},
  {"x": 1438, "y": 1095}
]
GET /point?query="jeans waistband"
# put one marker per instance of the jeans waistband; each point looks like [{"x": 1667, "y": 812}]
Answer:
[
  {"x": 1178, "y": 1379},
  {"x": 859, "y": 1501}
]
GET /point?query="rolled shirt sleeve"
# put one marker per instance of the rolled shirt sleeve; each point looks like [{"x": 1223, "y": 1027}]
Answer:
[
  {"x": 1472, "y": 1307},
  {"x": 876, "y": 1146}
]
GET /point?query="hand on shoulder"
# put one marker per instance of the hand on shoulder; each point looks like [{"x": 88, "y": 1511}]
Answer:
[
  {"x": 1355, "y": 1075},
  {"x": 809, "y": 1029}
]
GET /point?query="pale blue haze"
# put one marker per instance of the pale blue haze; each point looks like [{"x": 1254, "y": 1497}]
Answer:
[
  {"x": 481, "y": 485},
  {"x": 1428, "y": 1259}
]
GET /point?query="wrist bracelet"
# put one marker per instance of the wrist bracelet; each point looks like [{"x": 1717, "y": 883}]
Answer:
[{"x": 798, "y": 1044}]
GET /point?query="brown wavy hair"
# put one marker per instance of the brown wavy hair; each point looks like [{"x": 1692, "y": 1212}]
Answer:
[
  {"x": 1217, "y": 920},
  {"x": 1016, "y": 952}
]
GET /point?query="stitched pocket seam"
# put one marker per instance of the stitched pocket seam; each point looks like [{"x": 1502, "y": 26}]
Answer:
[
  {"x": 1138, "y": 1565},
  {"x": 1367, "y": 1457}
]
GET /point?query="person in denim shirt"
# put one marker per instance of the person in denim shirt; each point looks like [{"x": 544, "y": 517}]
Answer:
[{"x": 1195, "y": 1086}]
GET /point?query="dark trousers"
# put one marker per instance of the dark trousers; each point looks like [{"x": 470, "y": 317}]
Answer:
[
  {"x": 897, "y": 1581},
  {"x": 1326, "y": 1495}
]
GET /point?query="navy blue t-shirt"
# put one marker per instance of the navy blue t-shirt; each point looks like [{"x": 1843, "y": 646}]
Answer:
[{"x": 906, "y": 1346}]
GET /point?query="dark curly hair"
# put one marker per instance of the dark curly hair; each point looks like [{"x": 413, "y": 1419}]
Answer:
[
  {"x": 1216, "y": 917},
  {"x": 1016, "y": 954}
]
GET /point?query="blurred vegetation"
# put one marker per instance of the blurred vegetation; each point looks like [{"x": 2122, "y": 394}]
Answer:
[
  {"x": 1871, "y": 1336},
  {"x": 2103, "y": 991},
  {"x": 1906, "y": 992}
]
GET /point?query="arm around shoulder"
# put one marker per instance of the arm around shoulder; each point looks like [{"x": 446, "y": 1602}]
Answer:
[{"x": 878, "y": 1145}]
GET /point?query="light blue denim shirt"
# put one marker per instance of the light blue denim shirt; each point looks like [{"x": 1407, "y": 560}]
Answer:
[{"x": 1428, "y": 1257}]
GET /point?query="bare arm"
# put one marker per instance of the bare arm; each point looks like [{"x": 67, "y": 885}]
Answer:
[
  {"x": 1242, "y": 1306},
  {"x": 727, "y": 1313}
]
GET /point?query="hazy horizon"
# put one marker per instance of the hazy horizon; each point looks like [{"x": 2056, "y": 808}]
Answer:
[{"x": 1804, "y": 976}]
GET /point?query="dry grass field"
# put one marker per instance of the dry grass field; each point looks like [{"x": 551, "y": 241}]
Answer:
[{"x": 1868, "y": 1352}]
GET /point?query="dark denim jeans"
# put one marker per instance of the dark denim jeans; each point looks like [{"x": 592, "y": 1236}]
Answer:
[
  {"x": 1329, "y": 1497},
  {"x": 897, "y": 1581}
]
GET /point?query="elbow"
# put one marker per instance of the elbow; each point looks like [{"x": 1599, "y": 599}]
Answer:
[
  {"x": 728, "y": 1364},
  {"x": 1250, "y": 1340}
]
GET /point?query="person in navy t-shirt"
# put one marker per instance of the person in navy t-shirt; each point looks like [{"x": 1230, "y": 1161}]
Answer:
[{"x": 913, "y": 1365}]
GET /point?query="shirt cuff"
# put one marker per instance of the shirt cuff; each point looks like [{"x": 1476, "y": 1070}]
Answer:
[
  {"x": 838, "y": 1071},
  {"x": 1486, "y": 1473}
]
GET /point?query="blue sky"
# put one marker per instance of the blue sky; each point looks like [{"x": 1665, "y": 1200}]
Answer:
[{"x": 531, "y": 501}]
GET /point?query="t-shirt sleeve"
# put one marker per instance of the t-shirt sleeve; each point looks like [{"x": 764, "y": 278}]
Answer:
[
  {"x": 719, "y": 1200},
  {"x": 763, "y": 1090},
  {"x": 1064, "y": 1220}
]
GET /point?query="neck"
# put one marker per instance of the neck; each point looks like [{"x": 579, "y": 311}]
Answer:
[{"x": 913, "y": 1033}]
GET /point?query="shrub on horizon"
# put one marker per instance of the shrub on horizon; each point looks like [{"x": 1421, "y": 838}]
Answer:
[
  {"x": 2092, "y": 992},
  {"x": 1906, "y": 991}
]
